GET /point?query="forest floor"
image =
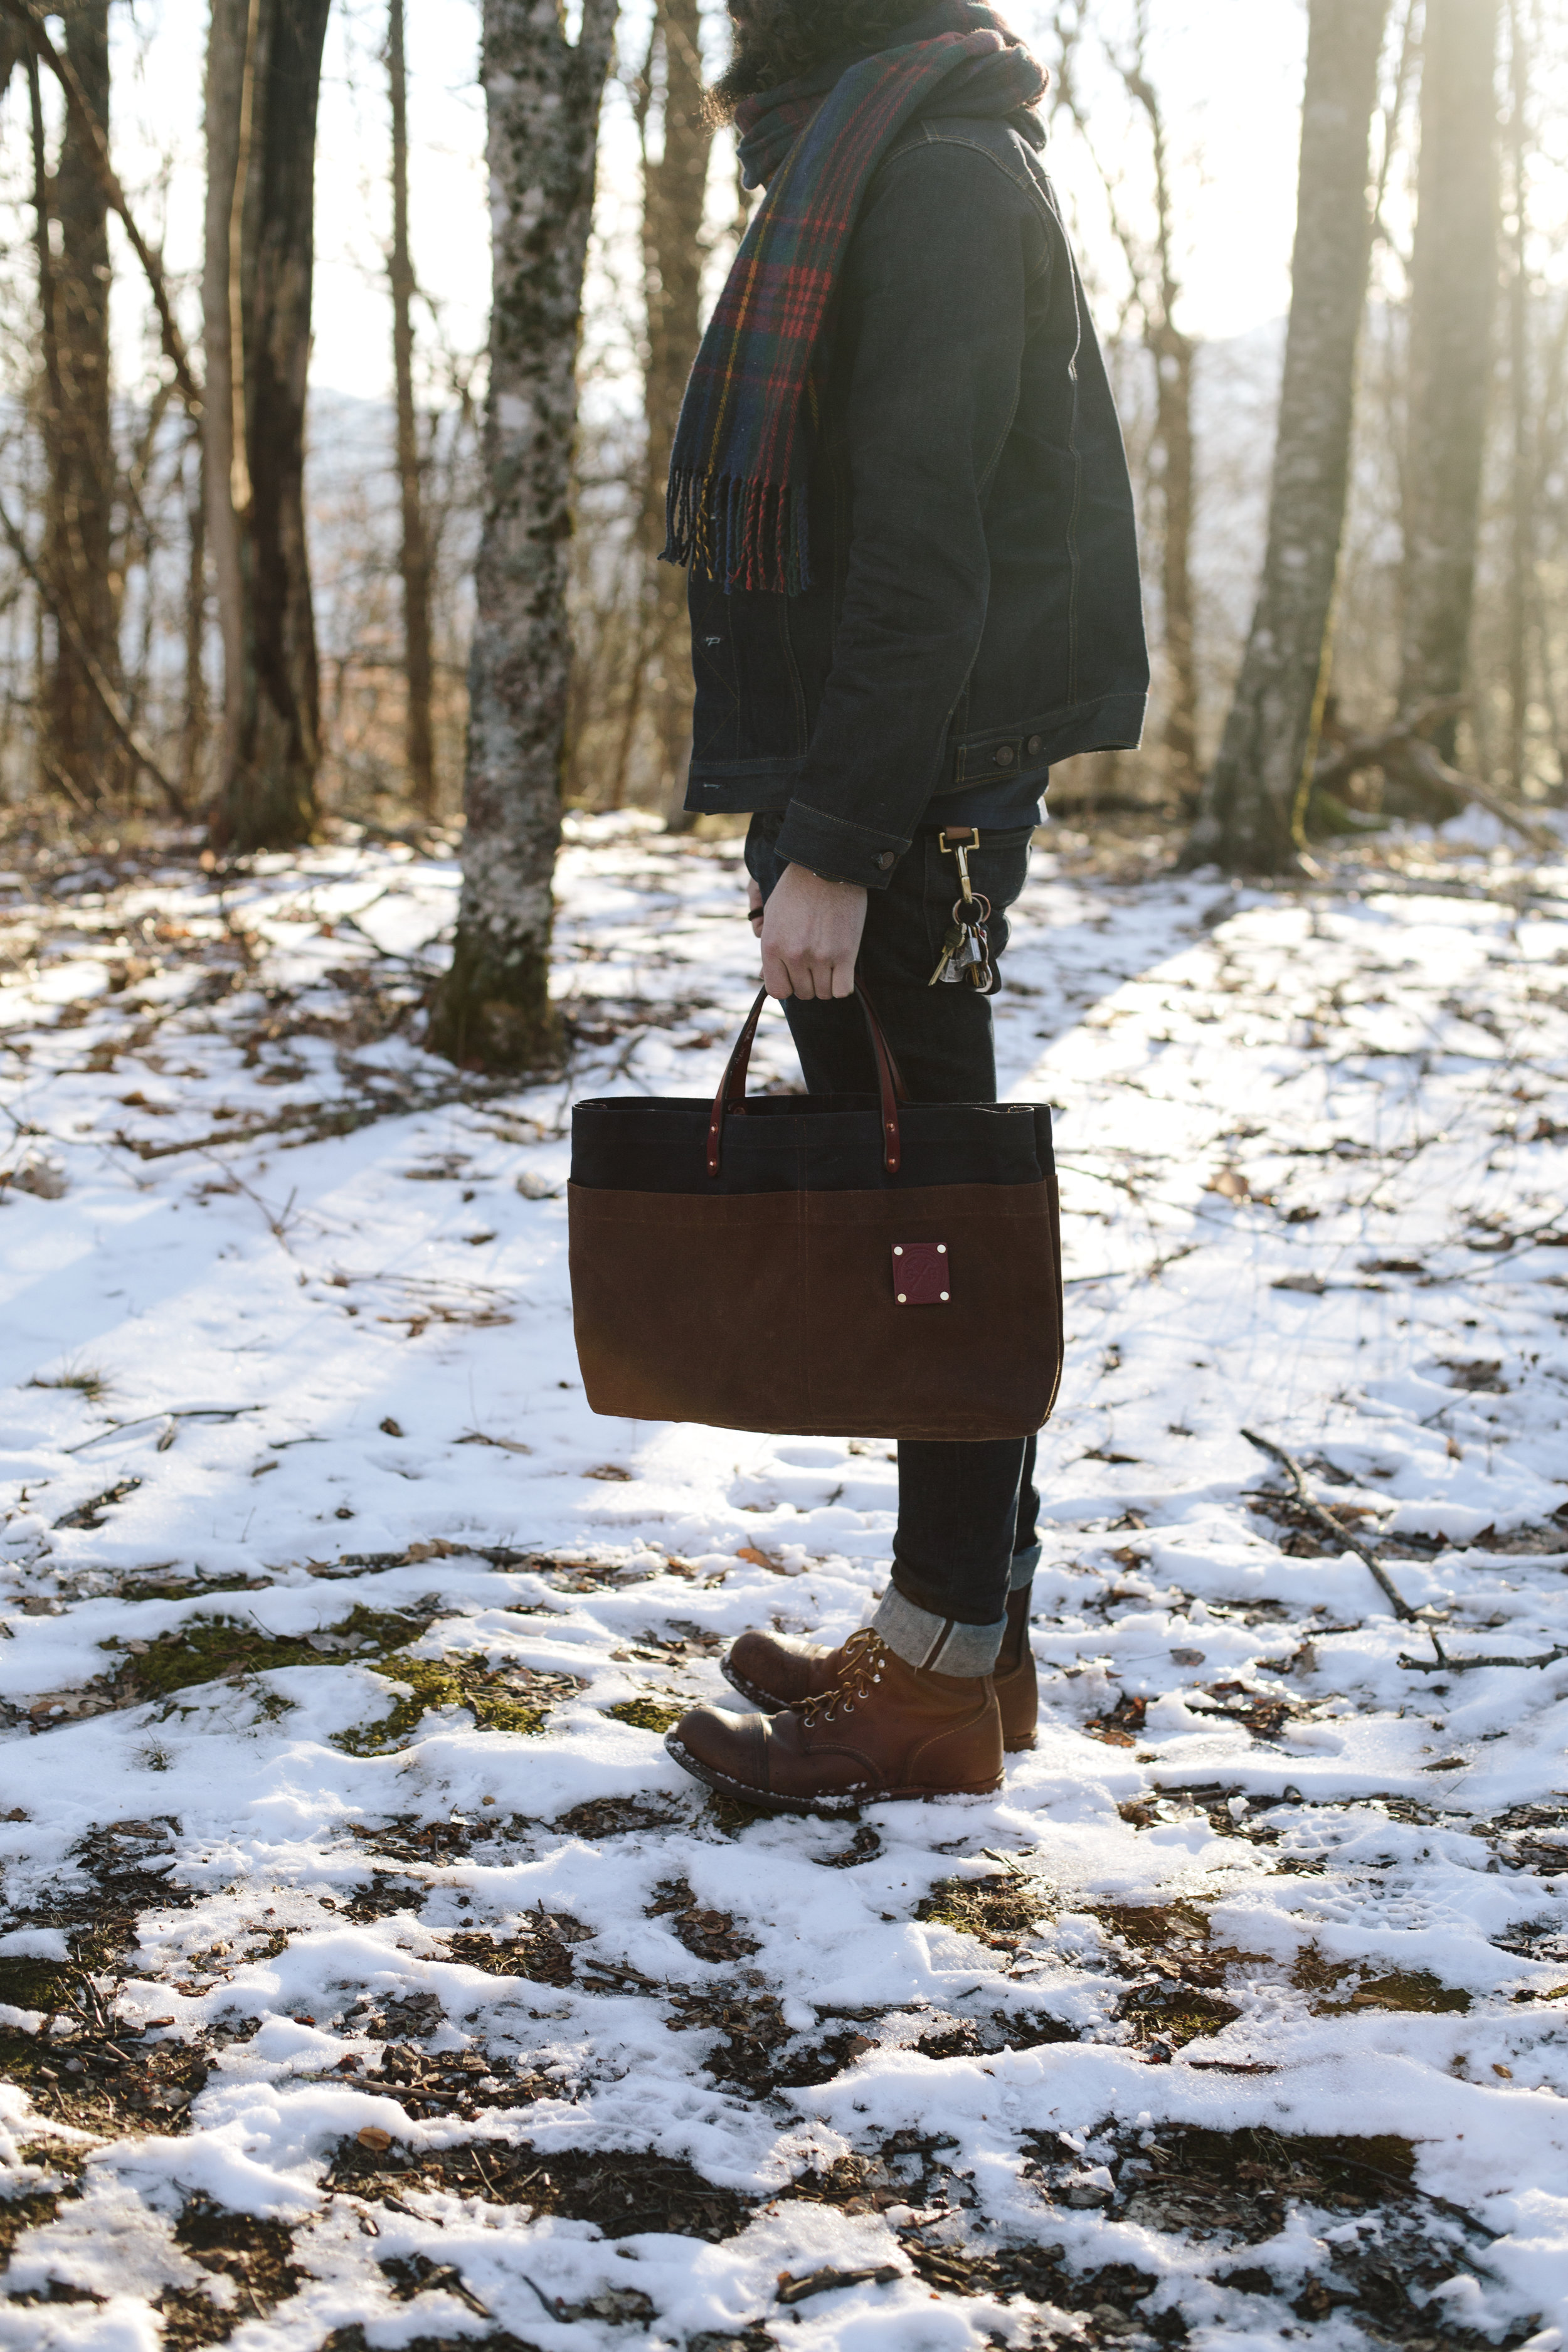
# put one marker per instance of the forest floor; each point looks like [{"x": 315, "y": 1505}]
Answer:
[{"x": 370, "y": 1977}]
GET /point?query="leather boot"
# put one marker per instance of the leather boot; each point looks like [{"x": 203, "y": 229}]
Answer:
[
  {"x": 778, "y": 1670},
  {"x": 883, "y": 1729},
  {"x": 1017, "y": 1685}
]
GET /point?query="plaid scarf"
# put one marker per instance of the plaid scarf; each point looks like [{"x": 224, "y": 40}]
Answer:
[{"x": 742, "y": 453}]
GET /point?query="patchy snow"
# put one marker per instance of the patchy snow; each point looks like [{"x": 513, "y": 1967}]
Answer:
[{"x": 367, "y": 1967}]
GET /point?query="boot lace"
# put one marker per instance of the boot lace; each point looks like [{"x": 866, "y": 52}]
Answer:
[{"x": 859, "y": 1669}]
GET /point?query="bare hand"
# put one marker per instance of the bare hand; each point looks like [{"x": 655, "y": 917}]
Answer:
[{"x": 811, "y": 936}]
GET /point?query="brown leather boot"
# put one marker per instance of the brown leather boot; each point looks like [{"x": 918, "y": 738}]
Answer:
[
  {"x": 778, "y": 1670},
  {"x": 884, "y": 1730},
  {"x": 1017, "y": 1685}
]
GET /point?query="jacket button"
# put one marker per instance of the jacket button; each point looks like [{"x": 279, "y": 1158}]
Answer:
[
  {"x": 886, "y": 859},
  {"x": 1034, "y": 744},
  {"x": 1004, "y": 755}
]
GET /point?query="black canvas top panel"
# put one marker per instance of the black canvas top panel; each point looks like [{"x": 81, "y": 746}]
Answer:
[{"x": 804, "y": 1143}]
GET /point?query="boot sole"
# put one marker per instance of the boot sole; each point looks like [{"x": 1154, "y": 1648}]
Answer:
[
  {"x": 769, "y": 1704},
  {"x": 766, "y": 1801}
]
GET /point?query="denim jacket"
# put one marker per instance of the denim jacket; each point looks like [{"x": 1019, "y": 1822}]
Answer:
[{"x": 975, "y": 612}]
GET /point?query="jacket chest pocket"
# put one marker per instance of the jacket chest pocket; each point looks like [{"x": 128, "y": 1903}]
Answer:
[{"x": 749, "y": 701}]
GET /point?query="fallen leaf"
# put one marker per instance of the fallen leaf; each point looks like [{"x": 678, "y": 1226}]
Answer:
[
  {"x": 1231, "y": 1185},
  {"x": 761, "y": 1559},
  {"x": 371, "y": 2135}
]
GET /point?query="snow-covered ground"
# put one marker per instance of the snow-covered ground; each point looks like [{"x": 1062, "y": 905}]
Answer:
[{"x": 372, "y": 1977}]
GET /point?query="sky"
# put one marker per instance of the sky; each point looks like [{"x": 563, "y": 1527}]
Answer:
[{"x": 1230, "y": 78}]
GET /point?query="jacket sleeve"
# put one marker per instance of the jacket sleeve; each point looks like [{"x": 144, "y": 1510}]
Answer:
[{"x": 935, "y": 293}]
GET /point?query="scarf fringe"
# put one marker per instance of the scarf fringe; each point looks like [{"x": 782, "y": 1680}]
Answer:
[{"x": 740, "y": 533}]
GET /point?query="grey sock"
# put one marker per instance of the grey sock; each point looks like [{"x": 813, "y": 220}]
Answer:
[
  {"x": 940, "y": 1645},
  {"x": 1023, "y": 1566}
]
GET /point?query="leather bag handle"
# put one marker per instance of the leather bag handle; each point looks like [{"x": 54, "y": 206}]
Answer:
[{"x": 731, "y": 1094}]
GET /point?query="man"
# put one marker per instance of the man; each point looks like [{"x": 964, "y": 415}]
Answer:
[{"x": 899, "y": 484}]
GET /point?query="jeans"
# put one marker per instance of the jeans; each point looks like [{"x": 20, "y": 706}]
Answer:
[{"x": 966, "y": 1513}]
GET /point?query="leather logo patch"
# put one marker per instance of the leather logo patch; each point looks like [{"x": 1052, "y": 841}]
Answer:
[{"x": 922, "y": 1274}]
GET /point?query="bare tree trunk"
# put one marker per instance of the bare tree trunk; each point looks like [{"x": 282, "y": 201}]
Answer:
[
  {"x": 1452, "y": 298},
  {"x": 194, "y": 727},
  {"x": 1521, "y": 551},
  {"x": 413, "y": 552},
  {"x": 264, "y": 67},
  {"x": 543, "y": 96},
  {"x": 1173, "y": 354},
  {"x": 80, "y": 517},
  {"x": 1157, "y": 293},
  {"x": 674, "y": 195},
  {"x": 1250, "y": 818}
]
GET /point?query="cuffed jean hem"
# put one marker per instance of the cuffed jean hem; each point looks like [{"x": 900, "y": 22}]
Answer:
[
  {"x": 1023, "y": 1566},
  {"x": 938, "y": 1644}
]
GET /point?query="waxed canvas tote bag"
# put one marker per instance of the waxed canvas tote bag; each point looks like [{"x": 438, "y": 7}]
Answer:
[{"x": 817, "y": 1264}]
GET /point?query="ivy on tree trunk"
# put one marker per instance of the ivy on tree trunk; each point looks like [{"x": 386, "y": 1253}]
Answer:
[
  {"x": 1253, "y": 802},
  {"x": 542, "y": 95}
]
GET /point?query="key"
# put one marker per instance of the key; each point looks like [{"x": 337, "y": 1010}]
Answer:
[
  {"x": 962, "y": 957},
  {"x": 953, "y": 940}
]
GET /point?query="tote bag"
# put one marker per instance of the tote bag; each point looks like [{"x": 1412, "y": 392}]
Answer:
[{"x": 818, "y": 1264}]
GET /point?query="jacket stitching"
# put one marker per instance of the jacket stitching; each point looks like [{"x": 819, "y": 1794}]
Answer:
[{"x": 1026, "y": 187}]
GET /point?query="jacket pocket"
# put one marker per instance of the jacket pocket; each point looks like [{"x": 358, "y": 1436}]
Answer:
[{"x": 749, "y": 704}]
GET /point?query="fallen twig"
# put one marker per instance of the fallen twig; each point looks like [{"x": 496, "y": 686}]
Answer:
[
  {"x": 1331, "y": 1526},
  {"x": 318, "y": 1121},
  {"x": 186, "y": 1413},
  {"x": 1444, "y": 1664},
  {"x": 827, "y": 2282}
]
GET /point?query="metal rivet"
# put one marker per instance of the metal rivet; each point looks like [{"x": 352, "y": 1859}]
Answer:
[
  {"x": 903, "y": 1300},
  {"x": 944, "y": 1299},
  {"x": 941, "y": 1249},
  {"x": 897, "y": 1250}
]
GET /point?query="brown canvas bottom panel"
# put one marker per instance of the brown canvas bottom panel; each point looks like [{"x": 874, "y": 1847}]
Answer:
[{"x": 779, "y": 1311}]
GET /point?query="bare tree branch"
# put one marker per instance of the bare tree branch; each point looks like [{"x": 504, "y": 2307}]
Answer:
[
  {"x": 114, "y": 711},
  {"x": 1330, "y": 1525},
  {"x": 23, "y": 13}
]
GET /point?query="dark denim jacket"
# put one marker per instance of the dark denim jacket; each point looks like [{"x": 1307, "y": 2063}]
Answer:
[{"x": 975, "y": 612}]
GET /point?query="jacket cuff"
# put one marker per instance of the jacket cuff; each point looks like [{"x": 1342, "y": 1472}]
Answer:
[{"x": 837, "y": 850}]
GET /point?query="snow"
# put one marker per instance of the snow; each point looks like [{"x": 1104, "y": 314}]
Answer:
[{"x": 290, "y": 1397}]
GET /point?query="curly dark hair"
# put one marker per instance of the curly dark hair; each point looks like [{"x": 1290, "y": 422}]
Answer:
[{"x": 777, "y": 39}]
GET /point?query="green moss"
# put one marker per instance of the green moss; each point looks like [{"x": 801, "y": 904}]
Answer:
[
  {"x": 28, "y": 2212},
  {"x": 224, "y": 1648},
  {"x": 514, "y": 1699},
  {"x": 647, "y": 1713},
  {"x": 36, "y": 1984}
]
